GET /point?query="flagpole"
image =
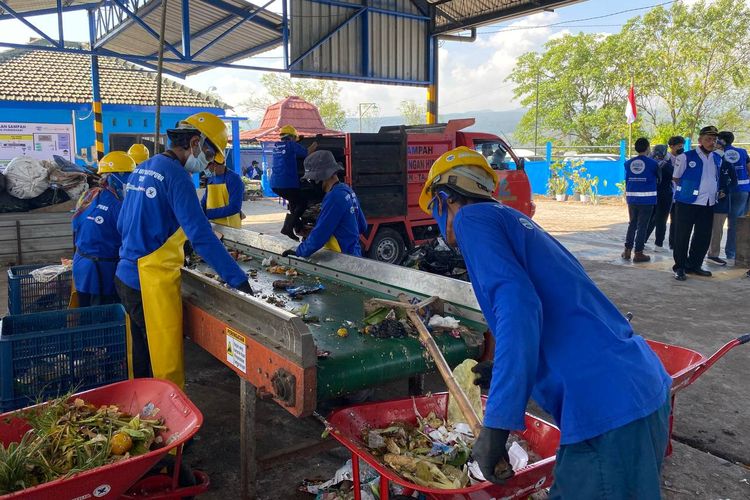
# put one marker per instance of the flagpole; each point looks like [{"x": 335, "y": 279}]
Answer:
[{"x": 630, "y": 125}]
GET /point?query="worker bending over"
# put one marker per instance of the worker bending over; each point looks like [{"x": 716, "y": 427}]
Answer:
[
  {"x": 558, "y": 339},
  {"x": 97, "y": 239},
  {"x": 341, "y": 220},
  {"x": 139, "y": 153},
  {"x": 160, "y": 211},
  {"x": 222, "y": 201},
  {"x": 284, "y": 180}
]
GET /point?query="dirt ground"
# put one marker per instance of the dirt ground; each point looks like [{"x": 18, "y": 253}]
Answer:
[{"x": 711, "y": 458}]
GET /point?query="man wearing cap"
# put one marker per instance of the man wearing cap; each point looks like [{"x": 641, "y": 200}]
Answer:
[
  {"x": 159, "y": 213},
  {"x": 341, "y": 220},
  {"x": 558, "y": 340},
  {"x": 696, "y": 178},
  {"x": 284, "y": 179}
]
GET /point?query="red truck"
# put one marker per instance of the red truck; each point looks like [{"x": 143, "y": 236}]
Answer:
[{"x": 388, "y": 169}]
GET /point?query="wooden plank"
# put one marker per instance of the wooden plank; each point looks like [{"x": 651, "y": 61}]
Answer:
[
  {"x": 44, "y": 257},
  {"x": 59, "y": 230},
  {"x": 46, "y": 244}
]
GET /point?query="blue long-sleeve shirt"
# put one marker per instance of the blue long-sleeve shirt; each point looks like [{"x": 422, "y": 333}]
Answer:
[
  {"x": 558, "y": 338},
  {"x": 236, "y": 190},
  {"x": 340, "y": 216},
  {"x": 96, "y": 235},
  {"x": 284, "y": 164},
  {"x": 160, "y": 199}
]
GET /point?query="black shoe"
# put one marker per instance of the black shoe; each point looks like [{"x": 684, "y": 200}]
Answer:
[
  {"x": 289, "y": 234},
  {"x": 717, "y": 260},
  {"x": 679, "y": 275},
  {"x": 699, "y": 272}
]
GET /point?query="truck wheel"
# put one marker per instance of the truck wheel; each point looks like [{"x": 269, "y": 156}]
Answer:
[{"x": 388, "y": 246}]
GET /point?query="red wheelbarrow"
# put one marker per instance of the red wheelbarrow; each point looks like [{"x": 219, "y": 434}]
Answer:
[
  {"x": 121, "y": 479},
  {"x": 346, "y": 426},
  {"x": 685, "y": 366}
]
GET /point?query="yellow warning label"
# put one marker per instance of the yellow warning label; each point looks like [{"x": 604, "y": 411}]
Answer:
[{"x": 236, "y": 350}]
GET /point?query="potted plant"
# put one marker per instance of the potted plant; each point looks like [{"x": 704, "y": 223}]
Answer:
[{"x": 557, "y": 184}]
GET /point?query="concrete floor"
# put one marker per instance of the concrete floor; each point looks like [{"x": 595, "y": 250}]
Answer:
[{"x": 711, "y": 458}]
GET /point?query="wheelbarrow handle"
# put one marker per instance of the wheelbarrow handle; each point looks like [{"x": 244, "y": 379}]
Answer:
[{"x": 708, "y": 363}]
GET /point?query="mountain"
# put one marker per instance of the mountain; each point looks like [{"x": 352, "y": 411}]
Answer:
[{"x": 497, "y": 122}]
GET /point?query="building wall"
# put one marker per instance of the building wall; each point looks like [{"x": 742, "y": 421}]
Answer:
[{"x": 117, "y": 119}]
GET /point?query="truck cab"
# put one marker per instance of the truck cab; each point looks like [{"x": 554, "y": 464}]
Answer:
[{"x": 388, "y": 169}]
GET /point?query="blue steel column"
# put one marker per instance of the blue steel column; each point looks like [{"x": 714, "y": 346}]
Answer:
[
  {"x": 236, "y": 146},
  {"x": 366, "y": 42},
  {"x": 60, "y": 35},
  {"x": 96, "y": 104},
  {"x": 285, "y": 33},
  {"x": 186, "y": 29}
]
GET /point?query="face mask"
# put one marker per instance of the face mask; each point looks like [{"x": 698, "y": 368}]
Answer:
[
  {"x": 196, "y": 165},
  {"x": 440, "y": 200}
]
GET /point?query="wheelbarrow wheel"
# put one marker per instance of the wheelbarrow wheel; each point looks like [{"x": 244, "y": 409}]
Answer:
[{"x": 186, "y": 477}]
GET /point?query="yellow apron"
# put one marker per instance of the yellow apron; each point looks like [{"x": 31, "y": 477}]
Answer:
[
  {"x": 159, "y": 273},
  {"x": 218, "y": 197},
  {"x": 333, "y": 245}
]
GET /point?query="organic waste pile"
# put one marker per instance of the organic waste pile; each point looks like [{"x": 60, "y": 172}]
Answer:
[{"x": 67, "y": 437}]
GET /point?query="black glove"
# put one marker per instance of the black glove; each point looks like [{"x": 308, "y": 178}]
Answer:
[
  {"x": 287, "y": 253},
  {"x": 484, "y": 370},
  {"x": 490, "y": 453},
  {"x": 246, "y": 288}
]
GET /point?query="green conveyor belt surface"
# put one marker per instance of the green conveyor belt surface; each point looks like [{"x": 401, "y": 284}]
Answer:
[{"x": 356, "y": 361}]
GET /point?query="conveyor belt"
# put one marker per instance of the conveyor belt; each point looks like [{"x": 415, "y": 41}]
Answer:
[{"x": 357, "y": 361}]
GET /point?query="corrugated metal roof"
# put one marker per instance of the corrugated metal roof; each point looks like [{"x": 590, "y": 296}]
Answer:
[
  {"x": 294, "y": 111},
  {"x": 459, "y": 14},
  {"x": 359, "y": 44},
  {"x": 43, "y": 76},
  {"x": 206, "y": 21}
]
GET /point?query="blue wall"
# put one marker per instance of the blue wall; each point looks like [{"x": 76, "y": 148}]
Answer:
[
  {"x": 609, "y": 173},
  {"x": 117, "y": 119}
]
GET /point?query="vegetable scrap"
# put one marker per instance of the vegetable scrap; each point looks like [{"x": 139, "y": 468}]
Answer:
[
  {"x": 277, "y": 270},
  {"x": 342, "y": 332},
  {"x": 268, "y": 261},
  {"x": 67, "y": 437},
  {"x": 239, "y": 256},
  {"x": 283, "y": 284}
]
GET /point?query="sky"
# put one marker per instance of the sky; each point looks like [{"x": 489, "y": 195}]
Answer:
[{"x": 472, "y": 75}]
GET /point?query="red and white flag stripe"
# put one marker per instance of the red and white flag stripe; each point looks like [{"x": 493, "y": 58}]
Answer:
[{"x": 631, "y": 112}]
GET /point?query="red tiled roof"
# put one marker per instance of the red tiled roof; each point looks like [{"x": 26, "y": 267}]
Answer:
[
  {"x": 44, "y": 76},
  {"x": 293, "y": 111}
]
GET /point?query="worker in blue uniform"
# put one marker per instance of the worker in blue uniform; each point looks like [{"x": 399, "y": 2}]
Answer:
[
  {"x": 739, "y": 198},
  {"x": 341, "y": 221},
  {"x": 159, "y": 213},
  {"x": 285, "y": 180},
  {"x": 641, "y": 179},
  {"x": 97, "y": 239},
  {"x": 558, "y": 340},
  {"x": 222, "y": 200}
]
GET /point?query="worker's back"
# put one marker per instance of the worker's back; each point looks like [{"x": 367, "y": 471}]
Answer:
[
  {"x": 284, "y": 173},
  {"x": 97, "y": 242},
  {"x": 586, "y": 367}
]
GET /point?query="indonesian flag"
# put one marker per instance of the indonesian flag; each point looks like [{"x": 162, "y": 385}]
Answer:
[{"x": 631, "y": 113}]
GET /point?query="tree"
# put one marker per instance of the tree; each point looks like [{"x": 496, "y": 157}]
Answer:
[
  {"x": 324, "y": 94},
  {"x": 412, "y": 113},
  {"x": 690, "y": 65}
]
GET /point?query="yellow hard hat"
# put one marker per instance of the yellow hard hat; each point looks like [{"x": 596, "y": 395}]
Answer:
[
  {"x": 139, "y": 153},
  {"x": 116, "y": 161},
  {"x": 470, "y": 174},
  {"x": 212, "y": 129},
  {"x": 288, "y": 130}
]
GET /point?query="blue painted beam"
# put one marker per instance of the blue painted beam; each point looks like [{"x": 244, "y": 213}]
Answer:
[
  {"x": 236, "y": 146},
  {"x": 239, "y": 11},
  {"x": 328, "y": 36},
  {"x": 285, "y": 32},
  {"x": 232, "y": 28},
  {"x": 117, "y": 30},
  {"x": 60, "y": 35},
  {"x": 186, "y": 28},
  {"x": 140, "y": 22},
  {"x": 22, "y": 17},
  {"x": 377, "y": 10},
  {"x": 242, "y": 55},
  {"x": 53, "y": 10},
  {"x": 376, "y": 79}
]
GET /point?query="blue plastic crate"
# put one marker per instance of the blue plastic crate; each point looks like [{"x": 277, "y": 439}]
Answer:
[
  {"x": 44, "y": 355},
  {"x": 26, "y": 295}
]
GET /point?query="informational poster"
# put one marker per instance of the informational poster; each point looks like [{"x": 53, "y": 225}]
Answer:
[{"x": 36, "y": 140}]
